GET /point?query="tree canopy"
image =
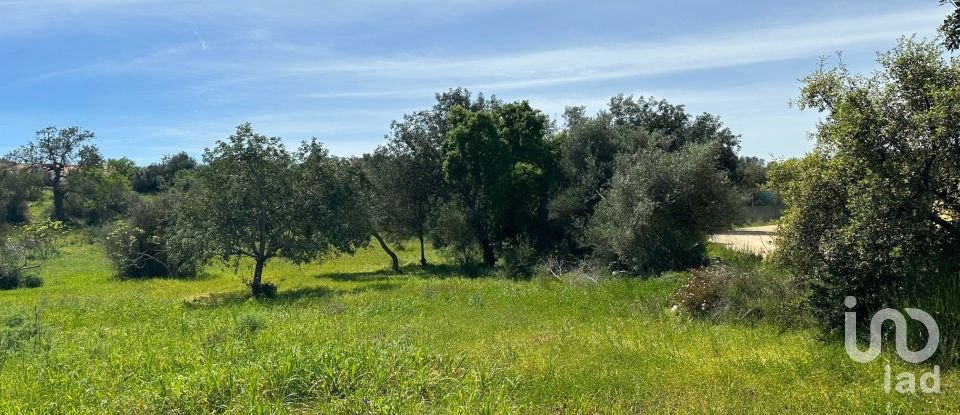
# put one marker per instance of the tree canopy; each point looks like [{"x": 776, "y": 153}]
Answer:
[
  {"x": 58, "y": 152},
  {"x": 872, "y": 211},
  {"x": 253, "y": 198}
]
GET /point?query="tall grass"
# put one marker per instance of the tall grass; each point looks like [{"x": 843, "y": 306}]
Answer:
[{"x": 347, "y": 336}]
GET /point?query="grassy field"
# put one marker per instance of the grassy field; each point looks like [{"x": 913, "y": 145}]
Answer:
[{"x": 345, "y": 337}]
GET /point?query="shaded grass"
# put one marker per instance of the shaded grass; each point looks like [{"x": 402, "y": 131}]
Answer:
[{"x": 344, "y": 336}]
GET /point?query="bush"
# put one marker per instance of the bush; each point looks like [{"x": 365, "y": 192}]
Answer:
[
  {"x": 518, "y": 259},
  {"x": 22, "y": 256},
  {"x": 17, "y": 187},
  {"x": 98, "y": 196},
  {"x": 453, "y": 231},
  {"x": 726, "y": 293},
  {"x": 11, "y": 273},
  {"x": 15, "y": 330},
  {"x": 703, "y": 291},
  {"x": 161, "y": 176},
  {"x": 147, "y": 243}
]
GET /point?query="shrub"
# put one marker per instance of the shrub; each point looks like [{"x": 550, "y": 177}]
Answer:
[
  {"x": 722, "y": 292},
  {"x": 11, "y": 272},
  {"x": 147, "y": 243},
  {"x": 15, "y": 271},
  {"x": 703, "y": 291},
  {"x": 15, "y": 330},
  {"x": 98, "y": 196},
  {"x": 16, "y": 188},
  {"x": 22, "y": 255},
  {"x": 518, "y": 259},
  {"x": 453, "y": 231}
]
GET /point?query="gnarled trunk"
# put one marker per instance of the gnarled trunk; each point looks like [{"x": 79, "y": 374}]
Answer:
[{"x": 394, "y": 261}]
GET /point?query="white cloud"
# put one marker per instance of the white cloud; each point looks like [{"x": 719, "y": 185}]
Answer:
[
  {"x": 26, "y": 17},
  {"x": 590, "y": 63},
  {"x": 313, "y": 71},
  {"x": 255, "y": 66}
]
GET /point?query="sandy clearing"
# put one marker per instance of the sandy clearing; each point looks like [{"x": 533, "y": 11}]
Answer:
[{"x": 757, "y": 240}]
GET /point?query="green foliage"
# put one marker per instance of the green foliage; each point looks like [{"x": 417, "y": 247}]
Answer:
[
  {"x": 255, "y": 199},
  {"x": 249, "y": 324},
  {"x": 17, "y": 187},
  {"x": 161, "y": 176},
  {"x": 951, "y": 26},
  {"x": 58, "y": 152},
  {"x": 672, "y": 128},
  {"x": 22, "y": 254},
  {"x": 126, "y": 167},
  {"x": 660, "y": 209},
  {"x": 406, "y": 174},
  {"x": 454, "y": 232},
  {"x": 589, "y": 149},
  {"x": 16, "y": 330},
  {"x": 872, "y": 212},
  {"x": 497, "y": 160},
  {"x": 518, "y": 259},
  {"x": 726, "y": 293},
  {"x": 146, "y": 244},
  {"x": 98, "y": 195}
]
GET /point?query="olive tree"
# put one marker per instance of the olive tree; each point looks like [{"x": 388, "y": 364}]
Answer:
[
  {"x": 56, "y": 152},
  {"x": 406, "y": 174},
  {"x": 660, "y": 209},
  {"x": 255, "y": 199},
  {"x": 589, "y": 148},
  {"x": 873, "y": 211}
]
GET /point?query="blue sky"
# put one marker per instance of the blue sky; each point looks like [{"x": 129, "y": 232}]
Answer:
[{"x": 153, "y": 77}]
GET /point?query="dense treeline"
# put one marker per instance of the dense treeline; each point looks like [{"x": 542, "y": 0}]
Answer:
[{"x": 637, "y": 187}]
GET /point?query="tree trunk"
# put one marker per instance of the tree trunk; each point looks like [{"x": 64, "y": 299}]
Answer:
[
  {"x": 394, "y": 262},
  {"x": 257, "y": 276},
  {"x": 423, "y": 258},
  {"x": 489, "y": 259},
  {"x": 58, "y": 196}
]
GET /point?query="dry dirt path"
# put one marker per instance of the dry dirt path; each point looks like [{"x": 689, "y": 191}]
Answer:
[{"x": 758, "y": 240}]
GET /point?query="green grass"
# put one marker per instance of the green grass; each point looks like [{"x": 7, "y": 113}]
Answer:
[{"x": 344, "y": 336}]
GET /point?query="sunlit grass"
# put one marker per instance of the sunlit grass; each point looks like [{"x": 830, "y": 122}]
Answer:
[{"x": 346, "y": 336}]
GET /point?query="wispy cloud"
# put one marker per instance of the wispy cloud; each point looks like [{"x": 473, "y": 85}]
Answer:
[
  {"x": 203, "y": 43},
  {"x": 27, "y": 17},
  {"x": 281, "y": 66},
  {"x": 590, "y": 63},
  {"x": 303, "y": 68}
]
